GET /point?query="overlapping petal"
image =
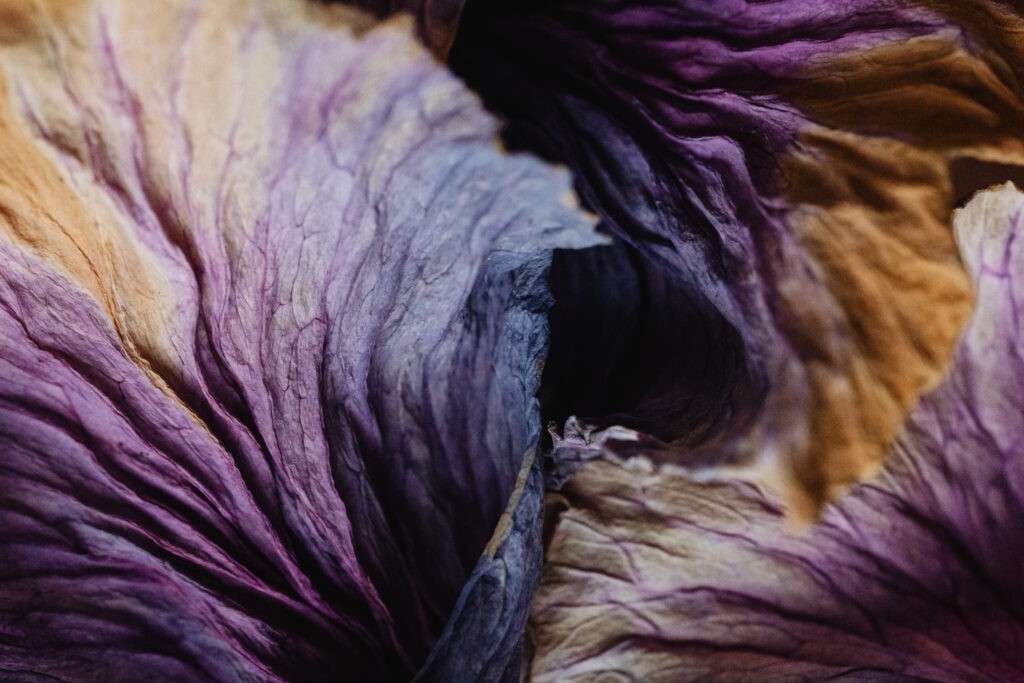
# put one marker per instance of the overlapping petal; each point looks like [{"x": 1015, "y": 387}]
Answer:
[
  {"x": 784, "y": 283},
  {"x": 272, "y": 306},
  {"x": 913, "y": 576},
  {"x": 272, "y": 312}
]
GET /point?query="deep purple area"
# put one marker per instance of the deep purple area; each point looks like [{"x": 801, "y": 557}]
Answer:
[
  {"x": 912, "y": 576},
  {"x": 671, "y": 118},
  {"x": 346, "y": 398}
]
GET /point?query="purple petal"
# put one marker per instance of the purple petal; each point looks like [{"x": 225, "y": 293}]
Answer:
[
  {"x": 272, "y": 306},
  {"x": 783, "y": 284},
  {"x": 652, "y": 576}
]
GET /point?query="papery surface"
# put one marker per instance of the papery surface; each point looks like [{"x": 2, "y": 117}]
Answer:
[
  {"x": 271, "y": 311},
  {"x": 652, "y": 576},
  {"x": 784, "y": 283}
]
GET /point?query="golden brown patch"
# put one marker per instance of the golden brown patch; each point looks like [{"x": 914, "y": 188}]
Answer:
[
  {"x": 23, "y": 20},
  {"x": 62, "y": 108},
  {"x": 928, "y": 91},
  {"x": 874, "y": 211},
  {"x": 42, "y": 210},
  {"x": 874, "y": 214}
]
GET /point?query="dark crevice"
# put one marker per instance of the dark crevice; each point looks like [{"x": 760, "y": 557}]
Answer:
[
  {"x": 635, "y": 340},
  {"x": 631, "y": 344},
  {"x": 970, "y": 175}
]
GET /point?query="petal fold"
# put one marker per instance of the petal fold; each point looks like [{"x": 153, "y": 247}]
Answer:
[
  {"x": 914, "y": 576},
  {"x": 784, "y": 283},
  {"x": 272, "y": 311}
]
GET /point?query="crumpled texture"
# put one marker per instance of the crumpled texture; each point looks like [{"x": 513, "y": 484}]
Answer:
[
  {"x": 483, "y": 640},
  {"x": 914, "y": 576},
  {"x": 783, "y": 283},
  {"x": 272, "y": 306}
]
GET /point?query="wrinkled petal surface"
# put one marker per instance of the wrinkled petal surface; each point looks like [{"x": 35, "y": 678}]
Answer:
[
  {"x": 655, "y": 577},
  {"x": 271, "y": 312},
  {"x": 783, "y": 283}
]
